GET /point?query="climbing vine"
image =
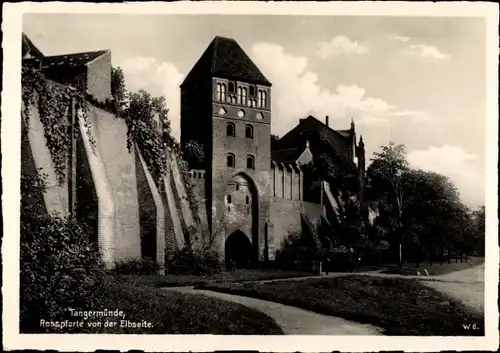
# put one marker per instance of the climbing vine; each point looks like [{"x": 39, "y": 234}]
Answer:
[
  {"x": 193, "y": 202},
  {"x": 54, "y": 108},
  {"x": 150, "y": 144},
  {"x": 153, "y": 147}
]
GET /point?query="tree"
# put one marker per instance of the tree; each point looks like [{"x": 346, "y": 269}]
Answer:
[
  {"x": 385, "y": 181},
  {"x": 194, "y": 154},
  {"x": 274, "y": 142},
  {"x": 479, "y": 230},
  {"x": 139, "y": 116},
  {"x": 118, "y": 90},
  {"x": 348, "y": 229}
]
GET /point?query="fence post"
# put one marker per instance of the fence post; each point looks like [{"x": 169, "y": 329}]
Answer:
[{"x": 320, "y": 268}]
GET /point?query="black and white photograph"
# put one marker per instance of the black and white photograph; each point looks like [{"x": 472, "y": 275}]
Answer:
[{"x": 251, "y": 174}]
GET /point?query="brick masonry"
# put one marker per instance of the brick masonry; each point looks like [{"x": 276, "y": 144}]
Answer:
[{"x": 133, "y": 219}]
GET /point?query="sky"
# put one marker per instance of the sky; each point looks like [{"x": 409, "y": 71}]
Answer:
[{"x": 418, "y": 81}]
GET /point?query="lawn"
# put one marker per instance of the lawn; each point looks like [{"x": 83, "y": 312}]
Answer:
[
  {"x": 177, "y": 313},
  {"x": 223, "y": 277},
  {"x": 436, "y": 269},
  {"x": 398, "y": 306}
]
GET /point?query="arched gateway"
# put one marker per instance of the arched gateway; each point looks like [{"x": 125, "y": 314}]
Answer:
[
  {"x": 238, "y": 250},
  {"x": 241, "y": 245}
]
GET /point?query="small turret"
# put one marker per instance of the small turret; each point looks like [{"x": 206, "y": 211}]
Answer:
[{"x": 361, "y": 144}]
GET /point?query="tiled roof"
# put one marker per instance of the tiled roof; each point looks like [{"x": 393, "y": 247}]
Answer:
[
  {"x": 226, "y": 59},
  {"x": 345, "y": 133},
  {"x": 67, "y": 60},
  {"x": 314, "y": 131},
  {"x": 288, "y": 155}
]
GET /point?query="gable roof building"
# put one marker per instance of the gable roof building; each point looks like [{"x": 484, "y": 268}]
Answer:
[
  {"x": 340, "y": 145},
  {"x": 224, "y": 58},
  {"x": 88, "y": 71}
]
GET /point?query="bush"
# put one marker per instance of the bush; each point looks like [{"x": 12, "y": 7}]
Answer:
[
  {"x": 297, "y": 247},
  {"x": 188, "y": 262},
  {"x": 60, "y": 266},
  {"x": 60, "y": 269},
  {"x": 144, "y": 266}
]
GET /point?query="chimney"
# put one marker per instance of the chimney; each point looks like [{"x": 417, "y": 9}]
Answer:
[{"x": 327, "y": 121}]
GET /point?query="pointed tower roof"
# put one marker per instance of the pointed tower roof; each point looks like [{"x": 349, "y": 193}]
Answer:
[{"x": 224, "y": 58}]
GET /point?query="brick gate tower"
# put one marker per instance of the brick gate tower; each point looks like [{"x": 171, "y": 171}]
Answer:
[{"x": 226, "y": 107}]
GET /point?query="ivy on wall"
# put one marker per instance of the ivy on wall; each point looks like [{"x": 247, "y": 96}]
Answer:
[
  {"x": 54, "y": 107},
  {"x": 154, "y": 145}
]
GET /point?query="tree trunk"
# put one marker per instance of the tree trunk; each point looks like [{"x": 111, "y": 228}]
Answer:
[
  {"x": 400, "y": 265},
  {"x": 449, "y": 256},
  {"x": 442, "y": 256}
]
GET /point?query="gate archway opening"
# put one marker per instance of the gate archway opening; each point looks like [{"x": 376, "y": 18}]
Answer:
[{"x": 238, "y": 251}]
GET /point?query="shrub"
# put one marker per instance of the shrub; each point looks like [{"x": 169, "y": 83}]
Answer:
[
  {"x": 146, "y": 266},
  {"x": 60, "y": 269},
  {"x": 60, "y": 266},
  {"x": 297, "y": 247},
  {"x": 185, "y": 261}
]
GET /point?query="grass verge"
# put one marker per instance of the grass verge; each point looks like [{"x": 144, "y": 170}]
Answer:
[
  {"x": 411, "y": 269},
  {"x": 223, "y": 277},
  {"x": 398, "y": 306},
  {"x": 175, "y": 313}
]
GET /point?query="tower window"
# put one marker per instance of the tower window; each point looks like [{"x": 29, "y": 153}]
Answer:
[
  {"x": 250, "y": 162},
  {"x": 230, "y": 129},
  {"x": 252, "y": 91},
  {"x": 262, "y": 98},
  {"x": 237, "y": 186},
  {"x": 244, "y": 96},
  {"x": 228, "y": 199},
  {"x": 231, "y": 87},
  {"x": 247, "y": 199},
  {"x": 249, "y": 131},
  {"x": 230, "y": 160},
  {"x": 221, "y": 92}
]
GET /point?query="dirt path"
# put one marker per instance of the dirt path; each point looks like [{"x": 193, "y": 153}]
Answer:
[
  {"x": 466, "y": 286},
  {"x": 294, "y": 321}
]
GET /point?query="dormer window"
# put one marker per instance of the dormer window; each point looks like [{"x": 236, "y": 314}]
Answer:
[
  {"x": 230, "y": 160},
  {"x": 230, "y": 129},
  {"x": 250, "y": 162}
]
